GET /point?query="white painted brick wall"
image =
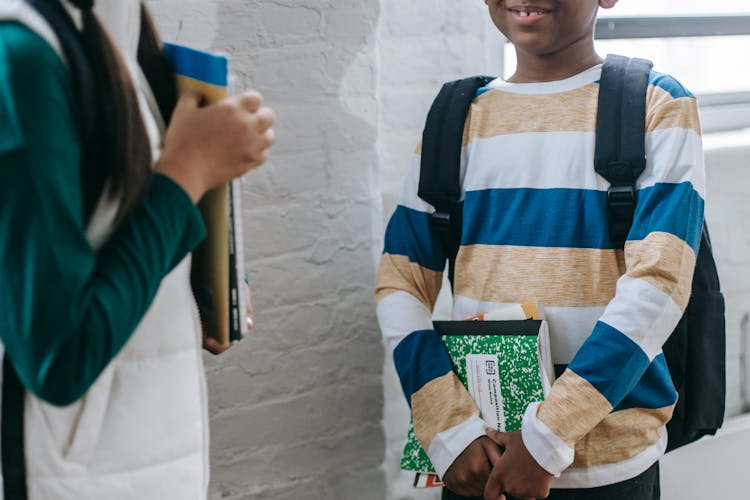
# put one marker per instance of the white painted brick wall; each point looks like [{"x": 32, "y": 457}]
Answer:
[
  {"x": 422, "y": 44},
  {"x": 727, "y": 213},
  {"x": 296, "y": 409}
]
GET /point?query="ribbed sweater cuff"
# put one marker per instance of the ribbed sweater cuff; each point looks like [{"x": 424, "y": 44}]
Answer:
[
  {"x": 550, "y": 452},
  {"x": 446, "y": 446}
]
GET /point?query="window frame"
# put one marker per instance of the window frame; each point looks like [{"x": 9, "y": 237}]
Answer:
[
  {"x": 719, "y": 111},
  {"x": 629, "y": 27}
]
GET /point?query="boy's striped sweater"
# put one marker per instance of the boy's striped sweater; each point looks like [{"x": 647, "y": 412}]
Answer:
[{"x": 535, "y": 228}]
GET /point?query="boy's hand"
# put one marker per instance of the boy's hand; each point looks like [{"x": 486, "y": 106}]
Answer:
[
  {"x": 469, "y": 472},
  {"x": 516, "y": 473}
]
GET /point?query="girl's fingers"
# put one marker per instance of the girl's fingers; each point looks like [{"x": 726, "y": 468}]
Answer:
[{"x": 250, "y": 101}]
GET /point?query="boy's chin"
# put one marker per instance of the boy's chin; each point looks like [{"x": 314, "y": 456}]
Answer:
[{"x": 533, "y": 46}]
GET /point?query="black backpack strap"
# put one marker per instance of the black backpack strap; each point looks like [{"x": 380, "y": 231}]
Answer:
[
  {"x": 440, "y": 167},
  {"x": 12, "y": 434},
  {"x": 85, "y": 87},
  {"x": 150, "y": 58},
  {"x": 156, "y": 69},
  {"x": 620, "y": 155},
  {"x": 86, "y": 94},
  {"x": 82, "y": 76}
]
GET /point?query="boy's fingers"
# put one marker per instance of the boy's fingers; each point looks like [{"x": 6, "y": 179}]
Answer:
[
  {"x": 500, "y": 438},
  {"x": 492, "y": 451},
  {"x": 493, "y": 490}
]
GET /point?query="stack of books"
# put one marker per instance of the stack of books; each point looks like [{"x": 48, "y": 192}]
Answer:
[{"x": 218, "y": 263}]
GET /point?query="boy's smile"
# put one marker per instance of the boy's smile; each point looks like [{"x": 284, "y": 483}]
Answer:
[
  {"x": 543, "y": 26},
  {"x": 525, "y": 14},
  {"x": 553, "y": 38}
]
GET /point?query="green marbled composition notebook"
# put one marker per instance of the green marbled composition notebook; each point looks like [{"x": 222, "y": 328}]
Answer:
[{"x": 505, "y": 365}]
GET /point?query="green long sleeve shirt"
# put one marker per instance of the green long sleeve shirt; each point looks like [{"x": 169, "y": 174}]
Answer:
[{"x": 66, "y": 309}]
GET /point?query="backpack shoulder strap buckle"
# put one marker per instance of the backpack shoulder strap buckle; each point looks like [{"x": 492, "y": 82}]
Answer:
[
  {"x": 621, "y": 197},
  {"x": 440, "y": 221}
]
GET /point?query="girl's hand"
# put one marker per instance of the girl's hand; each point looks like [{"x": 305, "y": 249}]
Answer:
[
  {"x": 206, "y": 146},
  {"x": 248, "y": 307},
  {"x": 212, "y": 345}
]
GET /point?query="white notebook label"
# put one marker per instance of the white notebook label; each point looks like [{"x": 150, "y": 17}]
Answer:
[{"x": 484, "y": 387}]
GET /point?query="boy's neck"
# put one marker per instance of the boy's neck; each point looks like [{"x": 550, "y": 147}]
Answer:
[{"x": 533, "y": 68}]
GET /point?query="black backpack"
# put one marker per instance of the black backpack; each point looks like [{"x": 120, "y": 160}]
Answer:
[
  {"x": 161, "y": 80},
  {"x": 695, "y": 351}
]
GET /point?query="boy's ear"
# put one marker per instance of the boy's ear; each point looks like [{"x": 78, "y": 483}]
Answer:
[{"x": 607, "y": 4}]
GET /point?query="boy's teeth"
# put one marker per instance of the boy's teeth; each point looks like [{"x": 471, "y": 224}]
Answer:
[{"x": 524, "y": 13}]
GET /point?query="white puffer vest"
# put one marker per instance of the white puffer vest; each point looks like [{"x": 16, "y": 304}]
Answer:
[{"x": 141, "y": 431}]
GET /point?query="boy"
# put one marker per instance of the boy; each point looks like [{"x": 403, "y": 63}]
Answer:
[{"x": 535, "y": 228}]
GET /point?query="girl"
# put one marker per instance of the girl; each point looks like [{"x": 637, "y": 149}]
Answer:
[{"x": 97, "y": 318}]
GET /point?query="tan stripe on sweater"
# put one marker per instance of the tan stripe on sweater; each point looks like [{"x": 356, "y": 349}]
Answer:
[
  {"x": 522, "y": 274},
  {"x": 620, "y": 436},
  {"x": 439, "y": 405},
  {"x": 396, "y": 274},
  {"x": 498, "y": 113},
  {"x": 665, "y": 261},
  {"x": 664, "y": 111},
  {"x": 568, "y": 422}
]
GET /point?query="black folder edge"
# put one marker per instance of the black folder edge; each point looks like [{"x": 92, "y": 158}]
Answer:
[{"x": 503, "y": 327}]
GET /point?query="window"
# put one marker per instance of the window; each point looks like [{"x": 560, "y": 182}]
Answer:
[
  {"x": 674, "y": 8},
  {"x": 703, "y": 44}
]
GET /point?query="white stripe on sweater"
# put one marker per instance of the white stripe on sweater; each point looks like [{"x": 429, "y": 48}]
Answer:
[{"x": 657, "y": 314}]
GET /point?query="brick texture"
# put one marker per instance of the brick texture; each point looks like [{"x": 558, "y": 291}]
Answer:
[{"x": 296, "y": 409}]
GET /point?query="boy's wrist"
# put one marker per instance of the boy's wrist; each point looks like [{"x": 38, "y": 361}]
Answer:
[
  {"x": 549, "y": 451},
  {"x": 448, "y": 445}
]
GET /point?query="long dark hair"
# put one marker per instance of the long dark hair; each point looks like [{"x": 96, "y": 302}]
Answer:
[{"x": 120, "y": 160}]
